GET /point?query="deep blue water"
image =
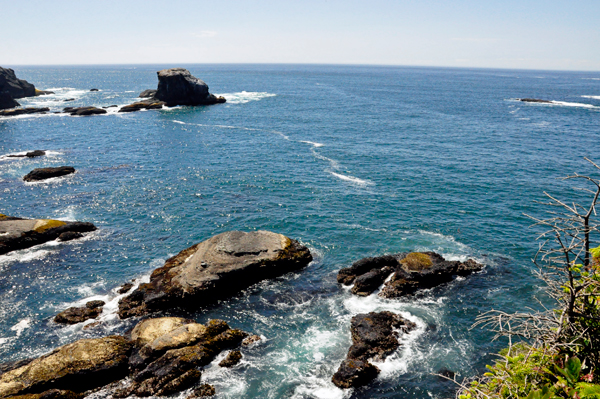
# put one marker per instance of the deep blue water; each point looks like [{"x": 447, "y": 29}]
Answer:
[{"x": 352, "y": 161}]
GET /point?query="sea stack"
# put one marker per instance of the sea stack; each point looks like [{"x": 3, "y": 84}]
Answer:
[{"x": 177, "y": 86}]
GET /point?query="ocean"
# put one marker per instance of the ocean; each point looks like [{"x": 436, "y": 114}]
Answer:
[{"x": 353, "y": 161}]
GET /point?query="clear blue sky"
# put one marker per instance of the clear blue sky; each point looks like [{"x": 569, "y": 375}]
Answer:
[{"x": 532, "y": 34}]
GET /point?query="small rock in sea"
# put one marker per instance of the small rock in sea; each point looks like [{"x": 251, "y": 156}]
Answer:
[
  {"x": 534, "y": 100},
  {"x": 75, "y": 315},
  {"x": 47, "y": 173},
  {"x": 235, "y": 260},
  {"x": 84, "y": 111},
  {"x": 18, "y": 233},
  {"x": 111, "y": 106},
  {"x": 68, "y": 99},
  {"x": 125, "y": 288},
  {"x": 202, "y": 391},
  {"x": 251, "y": 339},
  {"x": 69, "y": 235},
  {"x": 94, "y": 90},
  {"x": 43, "y": 92},
  {"x": 146, "y": 104},
  {"x": 147, "y": 93},
  {"x": 232, "y": 358},
  {"x": 446, "y": 373},
  {"x": 30, "y": 154},
  {"x": 23, "y": 111}
]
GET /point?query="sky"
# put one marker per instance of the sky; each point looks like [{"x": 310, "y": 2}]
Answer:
[{"x": 523, "y": 34}]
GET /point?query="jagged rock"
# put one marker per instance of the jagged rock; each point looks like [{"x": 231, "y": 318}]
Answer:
[
  {"x": 203, "y": 391},
  {"x": 148, "y": 330},
  {"x": 80, "y": 366},
  {"x": 147, "y": 93},
  {"x": 17, "y": 233},
  {"x": 146, "y": 104},
  {"x": 23, "y": 111},
  {"x": 374, "y": 336},
  {"x": 216, "y": 268},
  {"x": 84, "y": 111},
  {"x": 47, "y": 173},
  {"x": 17, "y": 88},
  {"x": 232, "y": 358},
  {"x": 409, "y": 272},
  {"x": 534, "y": 100},
  {"x": 124, "y": 288},
  {"x": 7, "y": 102},
  {"x": 69, "y": 235},
  {"x": 75, "y": 315},
  {"x": 177, "y": 86},
  {"x": 251, "y": 340}
]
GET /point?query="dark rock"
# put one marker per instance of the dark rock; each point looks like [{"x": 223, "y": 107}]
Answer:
[
  {"x": 147, "y": 93},
  {"x": 6, "y": 101},
  {"x": 251, "y": 340},
  {"x": 366, "y": 284},
  {"x": 444, "y": 372},
  {"x": 177, "y": 86},
  {"x": 69, "y": 235},
  {"x": 47, "y": 173},
  {"x": 125, "y": 288},
  {"x": 216, "y": 268},
  {"x": 75, "y": 315},
  {"x": 17, "y": 233},
  {"x": 17, "y": 88},
  {"x": 68, "y": 99},
  {"x": 202, "y": 391},
  {"x": 146, "y": 104},
  {"x": 23, "y": 111},
  {"x": 43, "y": 92},
  {"x": 374, "y": 336},
  {"x": 84, "y": 111},
  {"x": 94, "y": 90},
  {"x": 51, "y": 394},
  {"x": 231, "y": 359},
  {"x": 534, "y": 100},
  {"x": 111, "y": 106},
  {"x": 347, "y": 275},
  {"x": 36, "y": 153},
  {"x": 4, "y": 367},
  {"x": 354, "y": 373},
  {"x": 83, "y": 365}
]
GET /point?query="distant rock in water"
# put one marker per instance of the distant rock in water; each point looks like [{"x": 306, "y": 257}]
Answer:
[
  {"x": 374, "y": 336},
  {"x": 68, "y": 99},
  {"x": 75, "y": 315},
  {"x": 409, "y": 272},
  {"x": 43, "y": 92},
  {"x": 30, "y": 154},
  {"x": 17, "y": 88},
  {"x": 147, "y": 93},
  {"x": 177, "y": 86},
  {"x": 47, "y": 173},
  {"x": 216, "y": 268},
  {"x": 146, "y": 104},
  {"x": 17, "y": 233},
  {"x": 23, "y": 111},
  {"x": 84, "y": 111},
  {"x": 534, "y": 100},
  {"x": 94, "y": 90},
  {"x": 7, "y": 101}
]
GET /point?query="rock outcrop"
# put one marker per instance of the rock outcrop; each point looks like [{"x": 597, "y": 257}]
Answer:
[
  {"x": 24, "y": 111},
  {"x": 30, "y": 154},
  {"x": 83, "y": 365},
  {"x": 146, "y": 104},
  {"x": 47, "y": 173},
  {"x": 231, "y": 359},
  {"x": 17, "y": 233},
  {"x": 534, "y": 100},
  {"x": 374, "y": 336},
  {"x": 84, "y": 111},
  {"x": 6, "y": 101},
  {"x": 216, "y": 268},
  {"x": 75, "y": 315},
  {"x": 177, "y": 86},
  {"x": 17, "y": 88},
  {"x": 409, "y": 272}
]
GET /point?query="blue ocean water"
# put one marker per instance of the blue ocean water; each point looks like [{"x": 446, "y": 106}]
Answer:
[{"x": 352, "y": 161}]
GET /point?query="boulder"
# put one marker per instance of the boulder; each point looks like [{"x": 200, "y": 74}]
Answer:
[
  {"x": 17, "y": 233},
  {"x": 47, "y": 173},
  {"x": 84, "y": 111},
  {"x": 147, "y": 93},
  {"x": 17, "y": 88},
  {"x": 80, "y": 366},
  {"x": 69, "y": 235},
  {"x": 232, "y": 358},
  {"x": 75, "y": 315},
  {"x": 534, "y": 100},
  {"x": 7, "y": 101},
  {"x": 374, "y": 336},
  {"x": 146, "y": 104},
  {"x": 216, "y": 268},
  {"x": 409, "y": 272},
  {"x": 24, "y": 111},
  {"x": 177, "y": 86}
]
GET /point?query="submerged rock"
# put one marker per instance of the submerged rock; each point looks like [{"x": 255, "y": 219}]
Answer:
[
  {"x": 409, "y": 272},
  {"x": 17, "y": 233},
  {"x": 374, "y": 336},
  {"x": 216, "y": 268},
  {"x": 47, "y": 173},
  {"x": 23, "y": 111},
  {"x": 75, "y": 315},
  {"x": 80, "y": 366},
  {"x": 177, "y": 86},
  {"x": 84, "y": 111}
]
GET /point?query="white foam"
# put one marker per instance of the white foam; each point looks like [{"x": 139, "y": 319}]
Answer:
[
  {"x": 352, "y": 179},
  {"x": 594, "y": 97},
  {"x": 244, "y": 97},
  {"x": 316, "y": 145},
  {"x": 21, "y": 326},
  {"x": 568, "y": 104}
]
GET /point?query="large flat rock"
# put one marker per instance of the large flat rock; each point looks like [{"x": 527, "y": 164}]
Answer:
[
  {"x": 216, "y": 268},
  {"x": 18, "y": 233}
]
